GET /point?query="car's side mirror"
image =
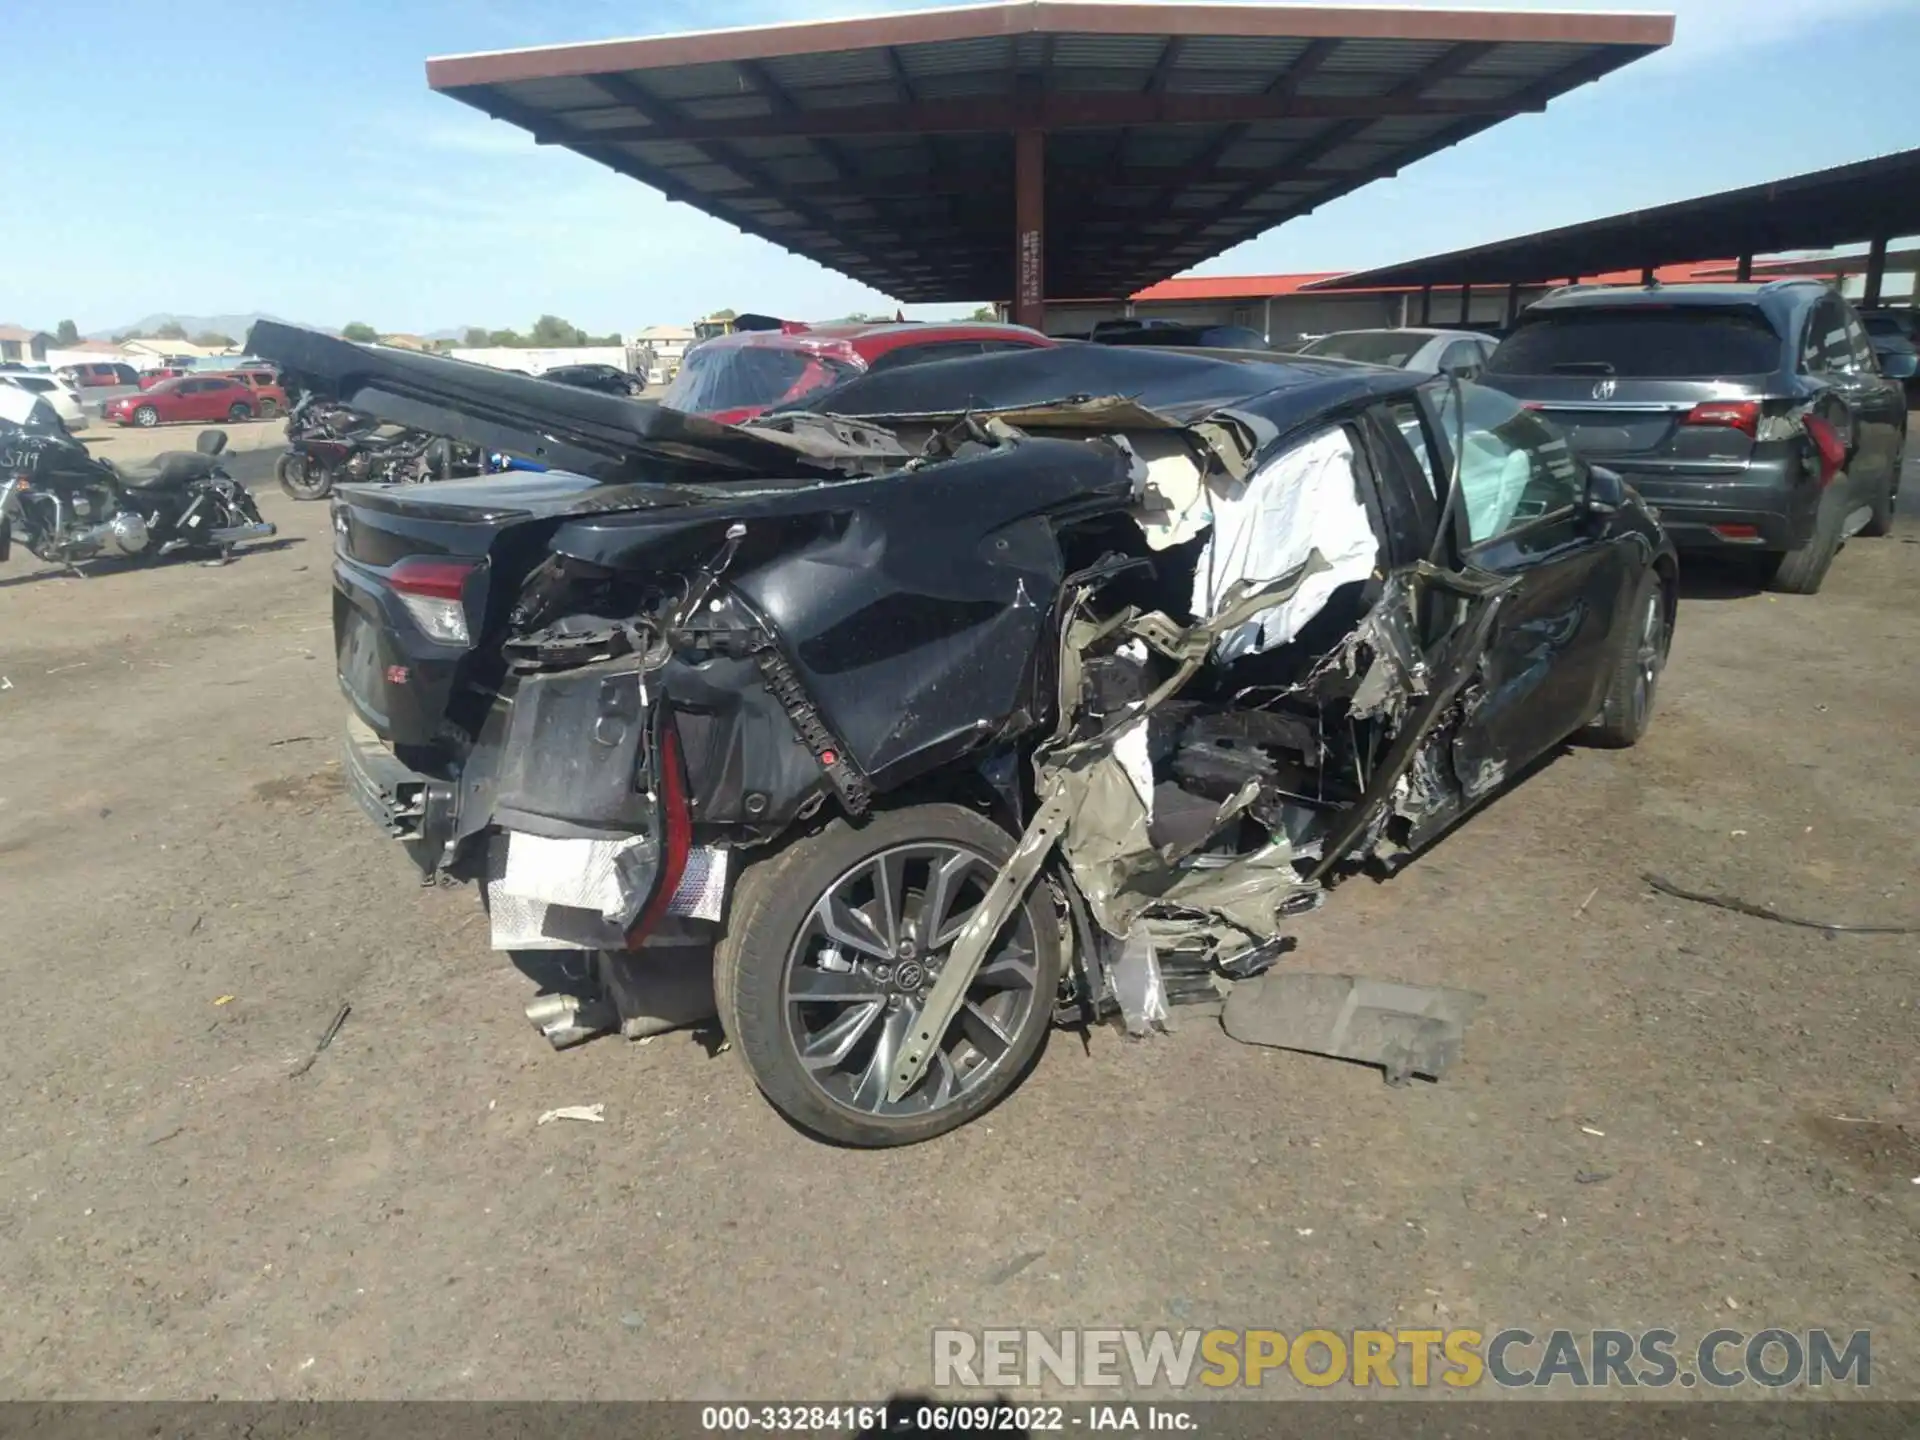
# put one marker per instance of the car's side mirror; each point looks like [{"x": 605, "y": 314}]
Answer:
[
  {"x": 1606, "y": 492},
  {"x": 1903, "y": 366}
]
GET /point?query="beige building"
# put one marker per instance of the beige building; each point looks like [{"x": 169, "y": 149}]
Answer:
[{"x": 22, "y": 346}]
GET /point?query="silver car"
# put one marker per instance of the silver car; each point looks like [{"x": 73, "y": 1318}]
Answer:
[{"x": 1450, "y": 352}]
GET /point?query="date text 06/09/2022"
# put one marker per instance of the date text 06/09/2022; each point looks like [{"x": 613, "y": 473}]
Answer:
[{"x": 932, "y": 1419}]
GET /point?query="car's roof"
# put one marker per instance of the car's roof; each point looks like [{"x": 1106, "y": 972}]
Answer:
[
  {"x": 869, "y": 338},
  {"x": 1431, "y": 332},
  {"x": 1581, "y": 297},
  {"x": 1178, "y": 384}
]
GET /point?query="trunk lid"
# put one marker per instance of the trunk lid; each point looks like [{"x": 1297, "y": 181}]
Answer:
[{"x": 1627, "y": 382}]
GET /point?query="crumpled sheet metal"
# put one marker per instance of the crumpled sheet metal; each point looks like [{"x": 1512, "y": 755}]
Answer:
[
  {"x": 1406, "y": 1030},
  {"x": 1093, "y": 808}
]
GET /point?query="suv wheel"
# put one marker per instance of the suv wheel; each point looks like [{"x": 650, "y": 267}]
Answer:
[
  {"x": 830, "y": 949},
  {"x": 1881, "y": 521},
  {"x": 1803, "y": 569}
]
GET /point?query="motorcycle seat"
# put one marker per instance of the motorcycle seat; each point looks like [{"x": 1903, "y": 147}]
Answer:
[{"x": 173, "y": 468}]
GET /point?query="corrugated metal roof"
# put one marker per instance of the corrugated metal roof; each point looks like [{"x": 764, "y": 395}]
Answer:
[
  {"x": 883, "y": 146},
  {"x": 1848, "y": 204}
]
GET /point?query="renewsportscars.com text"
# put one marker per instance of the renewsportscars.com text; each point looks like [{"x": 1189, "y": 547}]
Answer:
[{"x": 1392, "y": 1359}]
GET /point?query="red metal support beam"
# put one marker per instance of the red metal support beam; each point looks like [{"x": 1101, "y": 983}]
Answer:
[{"x": 1030, "y": 228}]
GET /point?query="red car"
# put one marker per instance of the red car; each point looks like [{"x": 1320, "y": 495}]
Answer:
[
  {"x": 734, "y": 377},
  {"x": 185, "y": 397},
  {"x": 150, "y": 378},
  {"x": 269, "y": 398}
]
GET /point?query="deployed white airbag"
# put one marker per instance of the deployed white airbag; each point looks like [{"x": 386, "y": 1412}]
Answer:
[{"x": 1304, "y": 499}]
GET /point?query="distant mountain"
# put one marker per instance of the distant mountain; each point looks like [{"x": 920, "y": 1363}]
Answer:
[{"x": 234, "y": 325}]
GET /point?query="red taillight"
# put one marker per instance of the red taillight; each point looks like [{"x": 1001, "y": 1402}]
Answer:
[
  {"x": 433, "y": 591},
  {"x": 435, "y": 579},
  {"x": 677, "y": 841},
  {"x": 1738, "y": 534},
  {"x": 1827, "y": 441},
  {"x": 1741, "y": 415}
]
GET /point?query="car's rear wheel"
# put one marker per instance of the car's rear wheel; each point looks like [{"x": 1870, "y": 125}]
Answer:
[
  {"x": 1803, "y": 569},
  {"x": 269, "y": 408},
  {"x": 1639, "y": 655},
  {"x": 146, "y": 417},
  {"x": 831, "y": 948},
  {"x": 1881, "y": 521},
  {"x": 239, "y": 411}
]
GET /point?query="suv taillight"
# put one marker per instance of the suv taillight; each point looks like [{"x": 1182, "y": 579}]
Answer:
[
  {"x": 1826, "y": 441},
  {"x": 433, "y": 591},
  {"x": 1741, "y": 415}
]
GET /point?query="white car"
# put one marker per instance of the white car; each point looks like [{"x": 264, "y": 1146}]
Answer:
[
  {"x": 1451, "y": 352},
  {"x": 64, "y": 399}
]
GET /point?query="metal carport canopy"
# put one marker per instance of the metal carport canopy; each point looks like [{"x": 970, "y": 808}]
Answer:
[
  {"x": 1024, "y": 149},
  {"x": 1871, "y": 201}
]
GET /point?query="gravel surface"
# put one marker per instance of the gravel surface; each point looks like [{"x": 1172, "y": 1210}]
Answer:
[{"x": 188, "y": 898}]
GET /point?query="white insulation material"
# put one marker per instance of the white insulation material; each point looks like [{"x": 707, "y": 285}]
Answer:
[{"x": 1302, "y": 500}]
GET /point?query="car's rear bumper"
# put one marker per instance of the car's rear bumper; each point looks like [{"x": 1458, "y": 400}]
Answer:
[
  {"x": 1764, "y": 505},
  {"x": 405, "y": 803}
]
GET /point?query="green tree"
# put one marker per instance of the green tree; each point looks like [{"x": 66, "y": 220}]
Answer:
[
  {"x": 66, "y": 333},
  {"x": 359, "y": 331},
  {"x": 475, "y": 337},
  {"x": 724, "y": 315},
  {"x": 172, "y": 330},
  {"x": 552, "y": 332},
  {"x": 505, "y": 337},
  {"x": 213, "y": 340},
  {"x": 985, "y": 312}
]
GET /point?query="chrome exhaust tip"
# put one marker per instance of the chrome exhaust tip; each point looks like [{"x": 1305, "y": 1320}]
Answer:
[{"x": 238, "y": 534}]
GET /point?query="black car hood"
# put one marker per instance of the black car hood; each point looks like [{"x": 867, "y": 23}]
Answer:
[{"x": 606, "y": 437}]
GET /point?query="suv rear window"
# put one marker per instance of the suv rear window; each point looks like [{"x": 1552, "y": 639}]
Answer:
[
  {"x": 744, "y": 377},
  {"x": 1641, "y": 343}
]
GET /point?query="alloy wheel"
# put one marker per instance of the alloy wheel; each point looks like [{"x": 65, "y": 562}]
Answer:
[
  {"x": 860, "y": 970},
  {"x": 1650, "y": 657}
]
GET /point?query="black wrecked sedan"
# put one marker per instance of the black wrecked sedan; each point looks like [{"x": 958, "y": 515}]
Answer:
[{"x": 982, "y": 694}]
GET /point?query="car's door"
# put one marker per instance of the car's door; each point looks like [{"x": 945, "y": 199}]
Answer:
[
  {"x": 1883, "y": 408},
  {"x": 1521, "y": 513},
  {"x": 1870, "y": 431}
]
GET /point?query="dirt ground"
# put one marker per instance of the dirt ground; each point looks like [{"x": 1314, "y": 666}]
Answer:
[{"x": 187, "y": 897}]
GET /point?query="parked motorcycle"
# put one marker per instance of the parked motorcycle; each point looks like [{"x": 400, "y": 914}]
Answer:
[
  {"x": 329, "y": 445},
  {"x": 68, "y": 506}
]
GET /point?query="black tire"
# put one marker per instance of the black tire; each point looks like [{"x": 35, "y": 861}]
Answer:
[
  {"x": 146, "y": 417},
  {"x": 239, "y": 411},
  {"x": 1803, "y": 569},
  {"x": 302, "y": 479},
  {"x": 768, "y": 943},
  {"x": 1639, "y": 655},
  {"x": 1881, "y": 522},
  {"x": 269, "y": 408}
]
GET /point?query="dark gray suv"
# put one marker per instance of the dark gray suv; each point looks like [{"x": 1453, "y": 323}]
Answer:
[{"x": 1753, "y": 416}]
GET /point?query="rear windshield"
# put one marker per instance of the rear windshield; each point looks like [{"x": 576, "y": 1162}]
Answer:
[
  {"x": 1691, "y": 343},
  {"x": 1375, "y": 347},
  {"x": 33, "y": 383},
  {"x": 746, "y": 377}
]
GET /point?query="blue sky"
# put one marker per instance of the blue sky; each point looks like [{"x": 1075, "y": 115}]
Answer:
[{"x": 289, "y": 158}]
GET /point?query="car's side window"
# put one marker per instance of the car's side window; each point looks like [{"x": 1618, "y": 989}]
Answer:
[
  {"x": 1864, "y": 360},
  {"x": 924, "y": 354},
  {"x": 1825, "y": 347},
  {"x": 1462, "y": 358},
  {"x": 1514, "y": 467}
]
